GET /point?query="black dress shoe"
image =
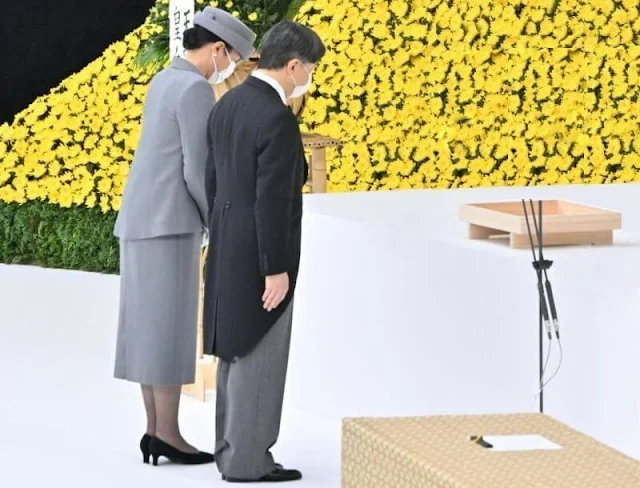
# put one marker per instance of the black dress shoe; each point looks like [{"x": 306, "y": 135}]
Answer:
[
  {"x": 158, "y": 448},
  {"x": 144, "y": 447},
  {"x": 278, "y": 475}
]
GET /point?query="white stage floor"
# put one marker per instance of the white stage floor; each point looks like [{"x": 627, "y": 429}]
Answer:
[{"x": 64, "y": 422}]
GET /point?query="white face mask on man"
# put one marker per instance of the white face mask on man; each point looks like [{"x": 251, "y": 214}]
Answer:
[
  {"x": 219, "y": 76},
  {"x": 300, "y": 90}
]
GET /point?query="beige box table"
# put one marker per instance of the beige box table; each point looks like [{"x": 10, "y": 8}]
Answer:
[
  {"x": 430, "y": 452},
  {"x": 564, "y": 223}
]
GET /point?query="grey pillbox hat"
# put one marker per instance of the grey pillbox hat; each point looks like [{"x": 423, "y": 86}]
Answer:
[{"x": 228, "y": 28}]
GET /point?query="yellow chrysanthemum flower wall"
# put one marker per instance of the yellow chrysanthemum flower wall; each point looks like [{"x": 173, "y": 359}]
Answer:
[
  {"x": 445, "y": 94},
  {"x": 75, "y": 145},
  {"x": 423, "y": 93}
]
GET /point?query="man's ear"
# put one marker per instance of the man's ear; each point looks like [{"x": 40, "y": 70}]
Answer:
[{"x": 291, "y": 65}]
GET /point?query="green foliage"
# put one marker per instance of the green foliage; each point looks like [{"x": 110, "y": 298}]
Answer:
[
  {"x": 46, "y": 235},
  {"x": 259, "y": 15},
  {"x": 294, "y": 8}
]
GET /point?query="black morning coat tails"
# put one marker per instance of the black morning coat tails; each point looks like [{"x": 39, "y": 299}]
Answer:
[{"x": 255, "y": 173}]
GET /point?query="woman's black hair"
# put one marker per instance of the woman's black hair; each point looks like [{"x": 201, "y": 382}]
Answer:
[{"x": 197, "y": 36}]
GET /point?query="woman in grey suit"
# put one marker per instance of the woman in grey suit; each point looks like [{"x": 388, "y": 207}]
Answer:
[{"x": 160, "y": 224}]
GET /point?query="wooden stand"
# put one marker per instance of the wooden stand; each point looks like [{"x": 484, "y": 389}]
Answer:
[
  {"x": 205, "y": 365},
  {"x": 318, "y": 168},
  {"x": 205, "y": 379},
  {"x": 566, "y": 223}
]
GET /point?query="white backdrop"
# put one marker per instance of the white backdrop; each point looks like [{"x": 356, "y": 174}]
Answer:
[{"x": 398, "y": 313}]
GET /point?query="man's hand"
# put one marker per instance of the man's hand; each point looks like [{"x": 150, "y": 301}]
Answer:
[{"x": 276, "y": 288}]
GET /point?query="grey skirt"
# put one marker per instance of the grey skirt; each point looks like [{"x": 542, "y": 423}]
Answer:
[{"x": 157, "y": 326}]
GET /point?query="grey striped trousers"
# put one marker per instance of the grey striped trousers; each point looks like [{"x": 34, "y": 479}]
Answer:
[{"x": 249, "y": 395}]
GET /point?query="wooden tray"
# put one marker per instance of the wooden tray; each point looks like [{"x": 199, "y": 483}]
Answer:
[{"x": 564, "y": 223}]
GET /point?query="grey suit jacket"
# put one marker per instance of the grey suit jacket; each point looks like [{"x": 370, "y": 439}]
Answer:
[{"x": 165, "y": 191}]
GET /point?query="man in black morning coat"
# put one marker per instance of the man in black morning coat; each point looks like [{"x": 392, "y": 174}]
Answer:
[{"x": 255, "y": 174}]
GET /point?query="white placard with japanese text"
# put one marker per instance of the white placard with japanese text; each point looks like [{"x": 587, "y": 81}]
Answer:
[{"x": 180, "y": 19}]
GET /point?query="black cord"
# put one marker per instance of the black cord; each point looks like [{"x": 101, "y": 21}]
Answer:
[{"x": 555, "y": 373}]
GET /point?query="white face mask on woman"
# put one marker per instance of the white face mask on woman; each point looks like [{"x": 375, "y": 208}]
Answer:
[
  {"x": 219, "y": 76},
  {"x": 300, "y": 90}
]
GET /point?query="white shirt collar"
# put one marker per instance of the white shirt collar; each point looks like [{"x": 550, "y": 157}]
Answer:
[{"x": 270, "y": 81}]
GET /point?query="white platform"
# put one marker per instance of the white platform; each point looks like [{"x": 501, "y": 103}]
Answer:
[
  {"x": 65, "y": 423},
  {"x": 397, "y": 313}
]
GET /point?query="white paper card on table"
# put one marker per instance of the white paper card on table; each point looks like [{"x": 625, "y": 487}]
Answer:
[{"x": 507, "y": 443}]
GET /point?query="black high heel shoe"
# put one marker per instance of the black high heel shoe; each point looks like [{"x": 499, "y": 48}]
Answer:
[
  {"x": 144, "y": 447},
  {"x": 159, "y": 448}
]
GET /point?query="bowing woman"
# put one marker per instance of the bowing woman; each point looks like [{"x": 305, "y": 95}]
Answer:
[{"x": 160, "y": 227}]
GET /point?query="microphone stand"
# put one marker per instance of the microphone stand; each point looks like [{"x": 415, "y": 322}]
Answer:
[
  {"x": 547, "y": 283},
  {"x": 540, "y": 265}
]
